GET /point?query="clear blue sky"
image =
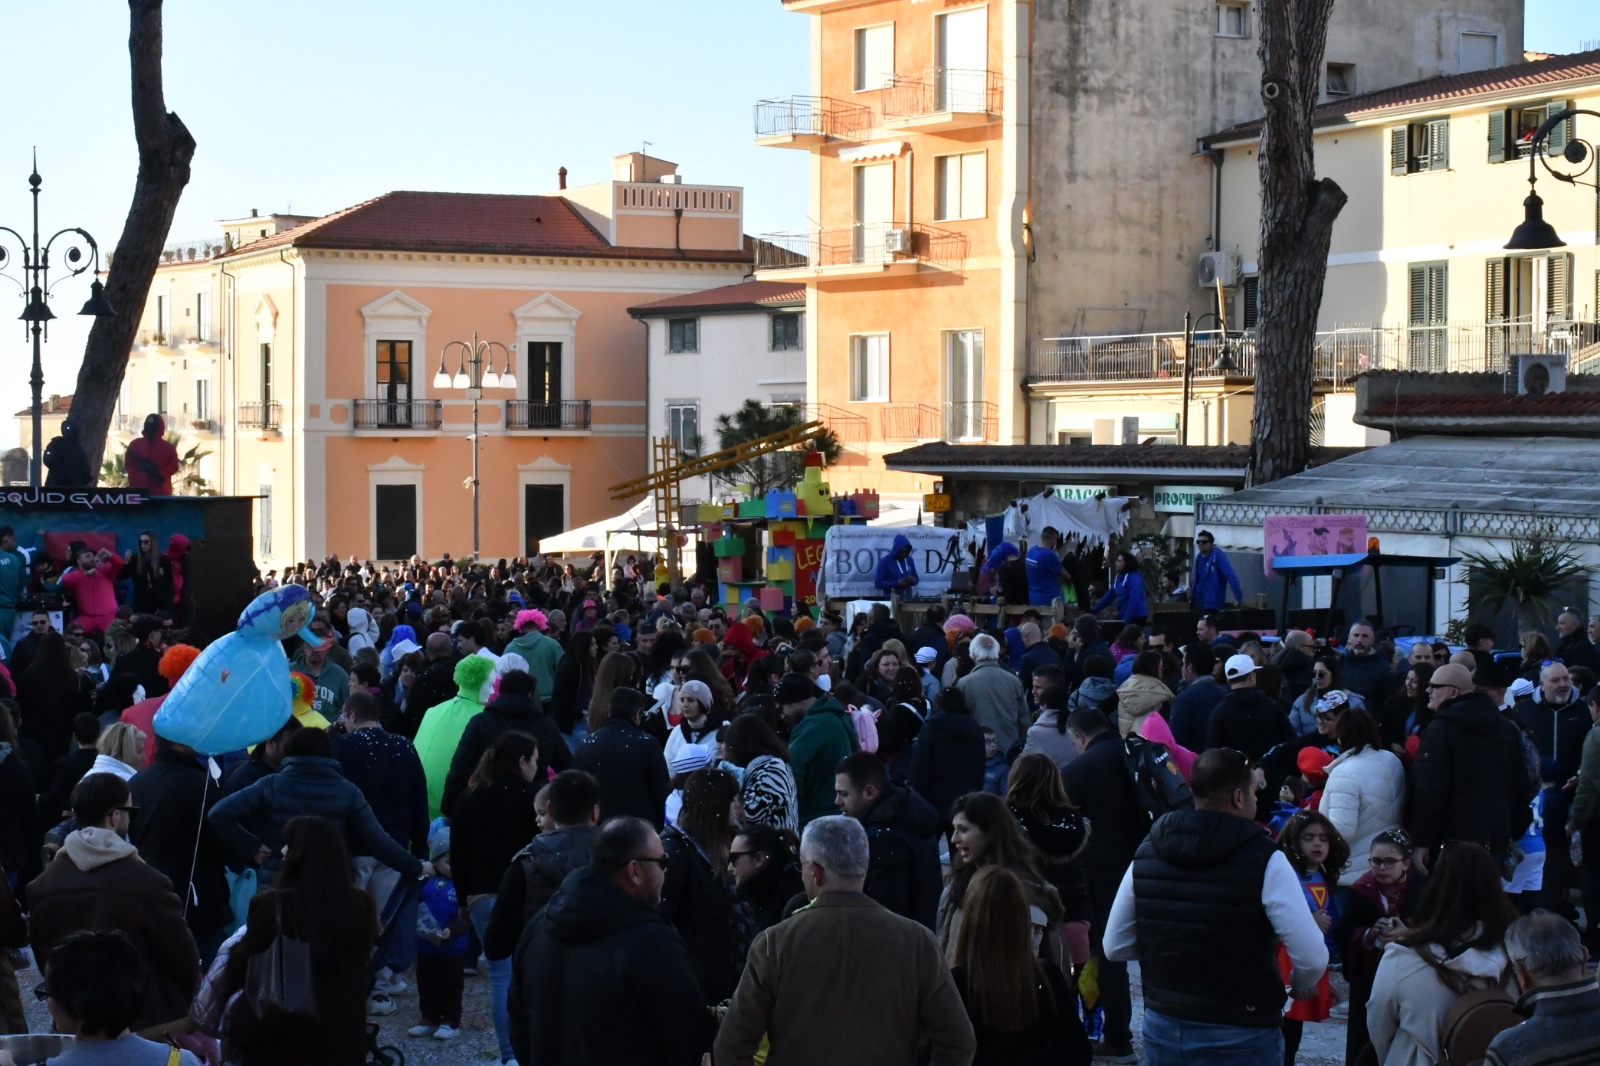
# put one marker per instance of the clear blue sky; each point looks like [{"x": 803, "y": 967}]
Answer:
[{"x": 313, "y": 106}]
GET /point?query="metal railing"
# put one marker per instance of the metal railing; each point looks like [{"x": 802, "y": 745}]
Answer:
[
  {"x": 149, "y": 338},
  {"x": 1341, "y": 353},
  {"x": 941, "y": 90},
  {"x": 910, "y": 421},
  {"x": 863, "y": 244},
  {"x": 260, "y": 415},
  {"x": 846, "y": 426},
  {"x": 186, "y": 251},
  {"x": 813, "y": 116},
  {"x": 971, "y": 420},
  {"x": 562, "y": 414},
  {"x": 399, "y": 414}
]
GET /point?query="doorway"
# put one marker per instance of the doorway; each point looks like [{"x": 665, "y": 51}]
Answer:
[
  {"x": 395, "y": 509},
  {"x": 874, "y": 210},
  {"x": 544, "y": 514}
]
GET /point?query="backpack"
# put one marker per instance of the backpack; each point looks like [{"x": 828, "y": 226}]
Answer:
[
  {"x": 1472, "y": 1022},
  {"x": 1157, "y": 785},
  {"x": 866, "y": 724}
]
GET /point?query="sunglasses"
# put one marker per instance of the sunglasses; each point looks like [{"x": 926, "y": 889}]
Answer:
[
  {"x": 659, "y": 860},
  {"x": 1552, "y": 662},
  {"x": 735, "y": 856}
]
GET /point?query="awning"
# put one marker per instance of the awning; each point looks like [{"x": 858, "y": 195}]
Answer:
[{"x": 876, "y": 150}]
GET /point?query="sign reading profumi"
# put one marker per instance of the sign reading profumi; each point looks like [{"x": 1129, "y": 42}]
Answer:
[
  {"x": 1180, "y": 499},
  {"x": 89, "y": 499}
]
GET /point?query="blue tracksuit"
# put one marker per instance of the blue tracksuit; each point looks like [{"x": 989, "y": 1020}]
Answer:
[
  {"x": 1213, "y": 577},
  {"x": 1128, "y": 590},
  {"x": 891, "y": 568}
]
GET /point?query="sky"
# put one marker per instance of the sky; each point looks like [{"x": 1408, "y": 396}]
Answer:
[{"x": 313, "y": 105}]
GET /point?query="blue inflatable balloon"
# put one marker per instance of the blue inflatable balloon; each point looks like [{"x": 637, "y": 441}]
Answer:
[{"x": 238, "y": 691}]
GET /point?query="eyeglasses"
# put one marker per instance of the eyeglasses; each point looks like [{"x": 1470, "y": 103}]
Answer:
[
  {"x": 1552, "y": 662},
  {"x": 1383, "y": 864},
  {"x": 130, "y": 811},
  {"x": 1438, "y": 688},
  {"x": 659, "y": 860}
]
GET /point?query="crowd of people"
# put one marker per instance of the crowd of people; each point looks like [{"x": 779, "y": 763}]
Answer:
[{"x": 667, "y": 828}]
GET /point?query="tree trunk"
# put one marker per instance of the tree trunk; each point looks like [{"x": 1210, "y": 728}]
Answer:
[
  {"x": 165, "y": 149},
  {"x": 1297, "y": 215}
]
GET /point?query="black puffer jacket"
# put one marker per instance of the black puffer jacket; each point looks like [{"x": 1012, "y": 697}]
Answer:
[
  {"x": 488, "y": 826},
  {"x": 533, "y": 877},
  {"x": 1557, "y": 732},
  {"x": 769, "y": 892},
  {"x": 601, "y": 978},
  {"x": 698, "y": 901},
  {"x": 947, "y": 760},
  {"x": 903, "y": 855},
  {"x": 1470, "y": 781},
  {"x": 1370, "y": 677},
  {"x": 631, "y": 770},
  {"x": 170, "y": 793},
  {"x": 1250, "y": 721},
  {"x": 435, "y": 685},
  {"x": 1099, "y": 785},
  {"x": 306, "y": 784},
  {"x": 505, "y": 714},
  {"x": 1060, "y": 838}
]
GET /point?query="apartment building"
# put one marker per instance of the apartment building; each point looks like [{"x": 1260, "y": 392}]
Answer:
[
  {"x": 994, "y": 184},
  {"x": 305, "y": 351}
]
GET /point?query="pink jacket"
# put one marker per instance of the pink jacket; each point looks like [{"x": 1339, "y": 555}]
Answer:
[
  {"x": 94, "y": 592},
  {"x": 1154, "y": 727}
]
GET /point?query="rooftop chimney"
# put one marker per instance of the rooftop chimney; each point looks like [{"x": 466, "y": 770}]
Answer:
[
  {"x": 561, "y": 177},
  {"x": 252, "y": 212}
]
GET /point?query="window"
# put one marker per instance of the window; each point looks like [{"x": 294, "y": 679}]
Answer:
[
  {"x": 264, "y": 520},
  {"x": 964, "y": 384},
  {"x": 1479, "y": 51},
  {"x": 202, "y": 316},
  {"x": 163, "y": 318},
  {"x": 162, "y": 389},
  {"x": 874, "y": 57},
  {"x": 1428, "y": 285},
  {"x": 1341, "y": 79},
  {"x": 544, "y": 372},
  {"x": 395, "y": 510},
  {"x": 786, "y": 333},
  {"x": 1231, "y": 20},
  {"x": 960, "y": 186},
  {"x": 683, "y": 426},
  {"x": 1420, "y": 147},
  {"x": 202, "y": 398},
  {"x": 266, "y": 375},
  {"x": 869, "y": 368},
  {"x": 683, "y": 334},
  {"x": 394, "y": 372},
  {"x": 1250, "y": 289},
  {"x": 1511, "y": 131}
]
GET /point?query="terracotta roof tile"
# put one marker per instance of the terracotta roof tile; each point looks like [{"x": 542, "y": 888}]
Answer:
[
  {"x": 1543, "y": 73},
  {"x": 52, "y": 405},
  {"x": 1223, "y": 457},
  {"x": 1491, "y": 405},
  {"x": 483, "y": 223},
  {"x": 749, "y": 295}
]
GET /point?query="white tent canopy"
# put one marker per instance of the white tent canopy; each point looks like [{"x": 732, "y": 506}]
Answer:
[{"x": 632, "y": 530}]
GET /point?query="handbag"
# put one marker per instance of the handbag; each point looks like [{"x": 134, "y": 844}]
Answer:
[{"x": 279, "y": 979}]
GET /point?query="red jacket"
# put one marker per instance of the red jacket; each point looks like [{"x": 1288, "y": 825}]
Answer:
[{"x": 151, "y": 460}]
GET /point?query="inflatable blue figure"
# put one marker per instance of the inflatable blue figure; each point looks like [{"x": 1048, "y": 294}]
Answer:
[{"x": 238, "y": 692}]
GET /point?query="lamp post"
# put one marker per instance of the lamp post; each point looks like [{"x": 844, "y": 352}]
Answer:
[
  {"x": 1224, "y": 362},
  {"x": 474, "y": 373},
  {"x": 36, "y": 286},
  {"x": 1535, "y": 234}
]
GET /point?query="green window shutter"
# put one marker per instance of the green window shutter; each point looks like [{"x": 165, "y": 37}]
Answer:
[
  {"x": 1494, "y": 288},
  {"x": 1438, "y": 277},
  {"x": 1438, "y": 144},
  {"x": 1497, "y": 136},
  {"x": 1418, "y": 296},
  {"x": 1398, "y": 154},
  {"x": 1556, "y": 142},
  {"x": 1559, "y": 285}
]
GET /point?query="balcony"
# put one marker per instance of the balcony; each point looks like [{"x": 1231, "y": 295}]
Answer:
[
  {"x": 909, "y": 421},
  {"x": 413, "y": 415},
  {"x": 808, "y": 121},
  {"x": 1341, "y": 353},
  {"x": 150, "y": 338},
  {"x": 847, "y": 427},
  {"x": 262, "y": 416},
  {"x": 941, "y": 99},
  {"x": 183, "y": 422},
  {"x": 561, "y": 415},
  {"x": 957, "y": 422},
  {"x": 864, "y": 248},
  {"x": 971, "y": 420}
]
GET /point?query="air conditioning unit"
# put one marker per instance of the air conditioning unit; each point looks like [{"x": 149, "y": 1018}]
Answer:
[
  {"x": 897, "y": 241},
  {"x": 1539, "y": 374},
  {"x": 1218, "y": 266}
]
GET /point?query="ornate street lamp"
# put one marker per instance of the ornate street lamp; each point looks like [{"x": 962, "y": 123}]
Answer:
[
  {"x": 1535, "y": 234},
  {"x": 1223, "y": 364},
  {"x": 474, "y": 373},
  {"x": 82, "y": 254}
]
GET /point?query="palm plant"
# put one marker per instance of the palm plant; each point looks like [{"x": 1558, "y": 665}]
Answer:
[
  {"x": 189, "y": 481},
  {"x": 114, "y": 471},
  {"x": 1529, "y": 579}
]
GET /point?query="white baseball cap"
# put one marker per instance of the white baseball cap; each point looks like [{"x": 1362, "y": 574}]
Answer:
[
  {"x": 1239, "y": 666},
  {"x": 926, "y": 655}
]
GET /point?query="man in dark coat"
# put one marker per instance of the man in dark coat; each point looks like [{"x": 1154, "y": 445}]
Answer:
[
  {"x": 902, "y": 837},
  {"x": 600, "y": 977},
  {"x": 151, "y": 459},
  {"x": 65, "y": 460},
  {"x": 1295, "y": 662},
  {"x": 1366, "y": 673},
  {"x": 515, "y": 709},
  {"x": 1557, "y": 718},
  {"x": 1247, "y": 719},
  {"x": 1575, "y": 648},
  {"x": 174, "y": 793},
  {"x": 948, "y": 759},
  {"x": 930, "y": 634},
  {"x": 435, "y": 685},
  {"x": 538, "y": 870},
  {"x": 1099, "y": 785},
  {"x": 1470, "y": 780},
  {"x": 99, "y": 882},
  {"x": 1197, "y": 697},
  {"x": 627, "y": 762}
]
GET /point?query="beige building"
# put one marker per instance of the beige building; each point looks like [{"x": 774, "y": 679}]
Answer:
[{"x": 997, "y": 186}]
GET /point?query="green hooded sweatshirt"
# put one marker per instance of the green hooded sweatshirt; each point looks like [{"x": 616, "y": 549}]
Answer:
[
  {"x": 543, "y": 654},
  {"x": 442, "y": 726}
]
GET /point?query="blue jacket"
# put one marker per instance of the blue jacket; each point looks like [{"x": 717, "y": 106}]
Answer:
[
  {"x": 306, "y": 784},
  {"x": 1044, "y": 575},
  {"x": 439, "y": 898},
  {"x": 1128, "y": 590},
  {"x": 1213, "y": 577},
  {"x": 891, "y": 568}
]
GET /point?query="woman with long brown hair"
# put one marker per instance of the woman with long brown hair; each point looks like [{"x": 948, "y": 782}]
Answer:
[
  {"x": 575, "y": 683},
  {"x": 1058, "y": 834},
  {"x": 618, "y": 669},
  {"x": 983, "y": 833},
  {"x": 152, "y": 576},
  {"x": 51, "y": 694},
  {"x": 313, "y": 900},
  {"x": 1021, "y": 1008},
  {"x": 696, "y": 896}
]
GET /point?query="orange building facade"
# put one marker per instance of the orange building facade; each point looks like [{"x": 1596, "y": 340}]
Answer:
[{"x": 320, "y": 366}]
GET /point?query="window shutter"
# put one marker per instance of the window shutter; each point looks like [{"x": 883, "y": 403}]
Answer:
[
  {"x": 1252, "y": 301},
  {"x": 1438, "y": 146},
  {"x": 1494, "y": 287},
  {"x": 1398, "y": 141},
  {"x": 1556, "y": 142},
  {"x": 1559, "y": 286},
  {"x": 1436, "y": 295},
  {"x": 1419, "y": 296},
  {"x": 1497, "y": 136}
]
